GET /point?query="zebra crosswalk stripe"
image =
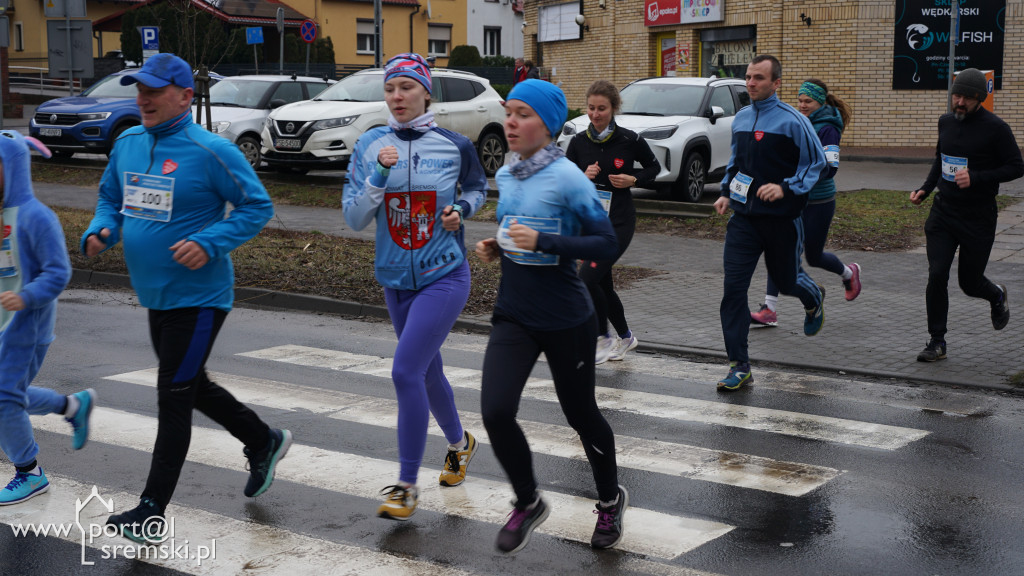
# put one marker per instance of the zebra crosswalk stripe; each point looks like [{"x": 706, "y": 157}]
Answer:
[
  {"x": 732, "y": 468},
  {"x": 650, "y": 533},
  {"x": 796, "y": 424}
]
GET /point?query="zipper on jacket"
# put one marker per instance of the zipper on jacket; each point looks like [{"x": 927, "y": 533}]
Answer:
[
  {"x": 412, "y": 251},
  {"x": 151, "y": 155}
]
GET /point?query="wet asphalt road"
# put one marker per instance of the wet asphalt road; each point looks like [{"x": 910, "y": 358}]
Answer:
[{"x": 937, "y": 494}]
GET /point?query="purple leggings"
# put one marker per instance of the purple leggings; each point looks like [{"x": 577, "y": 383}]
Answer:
[{"x": 422, "y": 320}]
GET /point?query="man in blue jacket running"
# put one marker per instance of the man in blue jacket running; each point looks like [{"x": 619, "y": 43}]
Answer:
[
  {"x": 165, "y": 191},
  {"x": 776, "y": 160}
]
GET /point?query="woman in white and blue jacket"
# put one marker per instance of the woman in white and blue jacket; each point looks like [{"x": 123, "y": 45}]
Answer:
[
  {"x": 829, "y": 115},
  {"x": 407, "y": 176}
]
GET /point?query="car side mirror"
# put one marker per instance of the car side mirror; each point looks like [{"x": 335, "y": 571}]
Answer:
[
  {"x": 716, "y": 113},
  {"x": 277, "y": 103}
]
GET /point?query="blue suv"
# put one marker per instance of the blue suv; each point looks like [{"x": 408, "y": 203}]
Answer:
[{"x": 89, "y": 122}]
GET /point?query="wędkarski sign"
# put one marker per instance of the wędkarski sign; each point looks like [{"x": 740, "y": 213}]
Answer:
[
  {"x": 921, "y": 41},
  {"x": 670, "y": 12}
]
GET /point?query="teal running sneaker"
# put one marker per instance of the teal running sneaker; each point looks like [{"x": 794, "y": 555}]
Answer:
[
  {"x": 24, "y": 486},
  {"x": 80, "y": 419},
  {"x": 815, "y": 316},
  {"x": 739, "y": 374},
  {"x": 263, "y": 463}
]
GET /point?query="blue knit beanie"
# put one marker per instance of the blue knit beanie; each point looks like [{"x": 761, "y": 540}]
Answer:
[{"x": 546, "y": 99}]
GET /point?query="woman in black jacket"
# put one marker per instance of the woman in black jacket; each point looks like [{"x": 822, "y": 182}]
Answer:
[{"x": 608, "y": 155}]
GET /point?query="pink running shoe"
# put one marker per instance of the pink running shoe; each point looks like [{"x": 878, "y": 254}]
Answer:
[
  {"x": 853, "y": 284},
  {"x": 764, "y": 317}
]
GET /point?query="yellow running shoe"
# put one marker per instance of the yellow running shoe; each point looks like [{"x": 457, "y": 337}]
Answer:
[
  {"x": 400, "y": 503},
  {"x": 457, "y": 462}
]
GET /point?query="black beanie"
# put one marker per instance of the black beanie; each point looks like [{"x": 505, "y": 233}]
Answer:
[{"x": 971, "y": 83}]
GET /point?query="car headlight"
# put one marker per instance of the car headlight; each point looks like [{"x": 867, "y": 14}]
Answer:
[
  {"x": 334, "y": 122},
  {"x": 568, "y": 129},
  {"x": 659, "y": 133},
  {"x": 94, "y": 116},
  {"x": 219, "y": 127},
  {"x": 269, "y": 122}
]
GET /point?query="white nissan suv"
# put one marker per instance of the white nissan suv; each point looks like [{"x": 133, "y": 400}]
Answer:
[
  {"x": 686, "y": 121},
  {"x": 321, "y": 133}
]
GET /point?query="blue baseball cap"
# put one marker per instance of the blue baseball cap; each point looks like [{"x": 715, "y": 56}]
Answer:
[{"x": 162, "y": 70}]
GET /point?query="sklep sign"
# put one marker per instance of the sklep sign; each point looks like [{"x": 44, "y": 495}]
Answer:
[{"x": 669, "y": 12}]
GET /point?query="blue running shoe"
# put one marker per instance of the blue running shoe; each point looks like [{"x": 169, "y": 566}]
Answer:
[
  {"x": 80, "y": 419},
  {"x": 815, "y": 316},
  {"x": 739, "y": 374},
  {"x": 263, "y": 462},
  {"x": 24, "y": 486}
]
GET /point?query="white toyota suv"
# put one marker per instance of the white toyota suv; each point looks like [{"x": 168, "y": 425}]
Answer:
[
  {"x": 239, "y": 106},
  {"x": 321, "y": 133},
  {"x": 686, "y": 121}
]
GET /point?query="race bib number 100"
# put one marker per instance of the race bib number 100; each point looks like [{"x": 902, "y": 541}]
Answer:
[{"x": 148, "y": 196}]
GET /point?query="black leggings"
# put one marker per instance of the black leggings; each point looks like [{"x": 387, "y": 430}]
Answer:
[
  {"x": 511, "y": 354},
  {"x": 597, "y": 275},
  {"x": 183, "y": 339},
  {"x": 972, "y": 228}
]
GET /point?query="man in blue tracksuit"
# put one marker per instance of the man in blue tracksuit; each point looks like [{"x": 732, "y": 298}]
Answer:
[
  {"x": 165, "y": 192},
  {"x": 776, "y": 160}
]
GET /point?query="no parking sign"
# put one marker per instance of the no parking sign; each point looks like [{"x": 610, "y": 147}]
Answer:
[{"x": 308, "y": 31}]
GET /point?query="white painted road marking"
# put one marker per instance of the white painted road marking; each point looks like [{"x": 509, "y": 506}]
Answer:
[
  {"x": 809, "y": 426},
  {"x": 732, "y": 468},
  {"x": 651, "y": 533}
]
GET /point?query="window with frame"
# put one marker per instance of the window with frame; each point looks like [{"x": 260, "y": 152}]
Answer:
[
  {"x": 19, "y": 37},
  {"x": 558, "y": 22},
  {"x": 439, "y": 38},
  {"x": 492, "y": 41},
  {"x": 365, "y": 37}
]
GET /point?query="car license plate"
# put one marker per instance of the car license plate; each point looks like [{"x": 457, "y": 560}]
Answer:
[
  {"x": 288, "y": 143},
  {"x": 49, "y": 132}
]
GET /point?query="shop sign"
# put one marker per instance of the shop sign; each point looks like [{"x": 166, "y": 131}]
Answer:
[
  {"x": 670, "y": 12},
  {"x": 921, "y": 41}
]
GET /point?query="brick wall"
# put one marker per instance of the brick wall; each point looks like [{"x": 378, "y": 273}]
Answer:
[{"x": 849, "y": 45}]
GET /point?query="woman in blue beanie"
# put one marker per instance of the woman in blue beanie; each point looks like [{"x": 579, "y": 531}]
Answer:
[
  {"x": 406, "y": 176},
  {"x": 829, "y": 115},
  {"x": 549, "y": 216}
]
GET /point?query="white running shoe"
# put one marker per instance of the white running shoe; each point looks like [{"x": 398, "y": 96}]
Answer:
[
  {"x": 605, "y": 347},
  {"x": 621, "y": 347}
]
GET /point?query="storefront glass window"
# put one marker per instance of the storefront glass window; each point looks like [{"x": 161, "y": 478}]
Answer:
[{"x": 725, "y": 52}]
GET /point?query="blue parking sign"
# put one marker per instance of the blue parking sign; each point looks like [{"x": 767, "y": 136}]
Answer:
[
  {"x": 150, "y": 37},
  {"x": 254, "y": 35}
]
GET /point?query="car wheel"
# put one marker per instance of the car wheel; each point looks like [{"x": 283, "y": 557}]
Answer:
[
  {"x": 690, "y": 186},
  {"x": 251, "y": 148},
  {"x": 115, "y": 135},
  {"x": 492, "y": 153}
]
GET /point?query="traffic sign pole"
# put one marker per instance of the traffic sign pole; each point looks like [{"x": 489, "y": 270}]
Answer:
[{"x": 280, "y": 37}]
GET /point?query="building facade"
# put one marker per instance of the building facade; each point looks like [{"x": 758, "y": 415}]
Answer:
[
  {"x": 858, "y": 47},
  {"x": 495, "y": 27}
]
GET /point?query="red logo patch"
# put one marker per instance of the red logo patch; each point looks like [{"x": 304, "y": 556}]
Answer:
[
  {"x": 171, "y": 166},
  {"x": 411, "y": 217},
  {"x": 758, "y": 135},
  {"x": 7, "y": 230},
  {"x": 619, "y": 162}
]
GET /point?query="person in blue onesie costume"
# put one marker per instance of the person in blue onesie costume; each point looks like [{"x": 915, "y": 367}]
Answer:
[
  {"x": 407, "y": 176},
  {"x": 549, "y": 216},
  {"x": 34, "y": 269},
  {"x": 165, "y": 191}
]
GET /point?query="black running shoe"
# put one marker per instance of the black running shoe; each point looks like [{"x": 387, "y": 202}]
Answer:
[
  {"x": 935, "y": 350},
  {"x": 1001, "y": 311},
  {"x": 144, "y": 524},
  {"x": 263, "y": 463},
  {"x": 522, "y": 521},
  {"x": 609, "y": 527}
]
